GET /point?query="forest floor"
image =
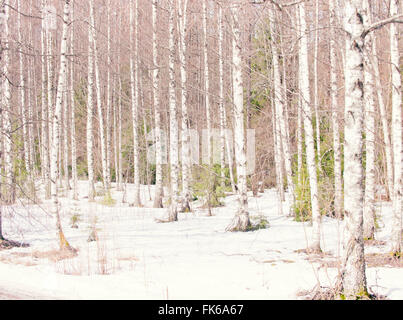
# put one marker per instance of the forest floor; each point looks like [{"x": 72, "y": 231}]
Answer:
[{"x": 135, "y": 257}]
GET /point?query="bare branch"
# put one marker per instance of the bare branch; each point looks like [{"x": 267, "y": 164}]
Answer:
[{"x": 380, "y": 24}]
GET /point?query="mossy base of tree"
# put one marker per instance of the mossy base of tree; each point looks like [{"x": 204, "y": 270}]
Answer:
[
  {"x": 323, "y": 293},
  {"x": 240, "y": 222},
  {"x": 315, "y": 249}
]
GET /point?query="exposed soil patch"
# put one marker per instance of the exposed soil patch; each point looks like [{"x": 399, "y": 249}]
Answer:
[
  {"x": 383, "y": 260},
  {"x": 9, "y": 244},
  {"x": 54, "y": 255},
  {"x": 373, "y": 242}
]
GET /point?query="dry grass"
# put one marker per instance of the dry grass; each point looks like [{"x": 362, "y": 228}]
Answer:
[
  {"x": 54, "y": 255},
  {"x": 9, "y": 244},
  {"x": 326, "y": 293},
  {"x": 383, "y": 260}
]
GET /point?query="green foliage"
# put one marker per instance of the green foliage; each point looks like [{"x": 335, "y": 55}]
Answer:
[
  {"x": 302, "y": 206},
  {"x": 207, "y": 185},
  {"x": 108, "y": 200},
  {"x": 258, "y": 222}
]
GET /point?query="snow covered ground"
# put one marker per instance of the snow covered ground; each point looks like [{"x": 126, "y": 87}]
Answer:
[{"x": 194, "y": 258}]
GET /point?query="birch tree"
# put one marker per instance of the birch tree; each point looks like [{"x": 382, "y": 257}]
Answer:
[
  {"x": 44, "y": 109},
  {"x": 90, "y": 115},
  {"x": 105, "y": 175},
  {"x": 61, "y": 88},
  {"x": 185, "y": 136},
  {"x": 279, "y": 100},
  {"x": 338, "y": 193},
  {"x": 72, "y": 110},
  {"x": 22, "y": 88},
  {"x": 155, "y": 80},
  {"x": 134, "y": 74},
  {"x": 353, "y": 274},
  {"x": 174, "y": 145},
  {"x": 207, "y": 83},
  {"x": 396, "y": 131},
  {"x": 241, "y": 220},
  {"x": 369, "y": 95},
  {"x": 308, "y": 128},
  {"x": 6, "y": 107}
]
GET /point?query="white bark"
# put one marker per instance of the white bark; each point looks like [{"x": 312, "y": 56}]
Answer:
[
  {"x": 279, "y": 100},
  {"x": 90, "y": 116},
  {"x": 221, "y": 92},
  {"x": 397, "y": 246},
  {"x": 66, "y": 140},
  {"x": 369, "y": 95},
  {"x": 73, "y": 108},
  {"x": 338, "y": 194},
  {"x": 277, "y": 162},
  {"x": 50, "y": 89},
  {"x": 23, "y": 102},
  {"x": 134, "y": 74},
  {"x": 316, "y": 89},
  {"x": 309, "y": 134},
  {"x": 44, "y": 111},
  {"x": 384, "y": 120},
  {"x": 61, "y": 88},
  {"x": 173, "y": 121},
  {"x": 6, "y": 107},
  {"x": 185, "y": 136},
  {"x": 105, "y": 174},
  {"x": 241, "y": 221},
  {"x": 353, "y": 274},
  {"x": 157, "y": 114},
  {"x": 108, "y": 146},
  {"x": 207, "y": 84}
]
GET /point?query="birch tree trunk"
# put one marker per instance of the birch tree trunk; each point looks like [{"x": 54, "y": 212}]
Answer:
[
  {"x": 353, "y": 274},
  {"x": 135, "y": 96},
  {"x": 3, "y": 44},
  {"x": 6, "y": 107},
  {"x": 174, "y": 145},
  {"x": 25, "y": 132},
  {"x": 309, "y": 134},
  {"x": 50, "y": 89},
  {"x": 185, "y": 136},
  {"x": 108, "y": 146},
  {"x": 207, "y": 84},
  {"x": 316, "y": 89},
  {"x": 369, "y": 95},
  {"x": 384, "y": 120},
  {"x": 61, "y": 88},
  {"x": 241, "y": 220},
  {"x": 279, "y": 100},
  {"x": 157, "y": 114},
  {"x": 105, "y": 175},
  {"x": 277, "y": 162},
  {"x": 66, "y": 141},
  {"x": 90, "y": 115},
  {"x": 73, "y": 108},
  {"x": 397, "y": 246},
  {"x": 44, "y": 110},
  {"x": 221, "y": 92},
  {"x": 338, "y": 184}
]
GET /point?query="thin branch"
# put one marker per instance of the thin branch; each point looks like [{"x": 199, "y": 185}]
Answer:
[{"x": 380, "y": 24}]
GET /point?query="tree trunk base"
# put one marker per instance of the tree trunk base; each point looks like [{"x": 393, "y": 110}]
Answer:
[{"x": 240, "y": 222}]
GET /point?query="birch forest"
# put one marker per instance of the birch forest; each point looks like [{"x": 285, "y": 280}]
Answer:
[{"x": 250, "y": 145}]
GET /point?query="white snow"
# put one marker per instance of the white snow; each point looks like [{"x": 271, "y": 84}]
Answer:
[{"x": 194, "y": 258}]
